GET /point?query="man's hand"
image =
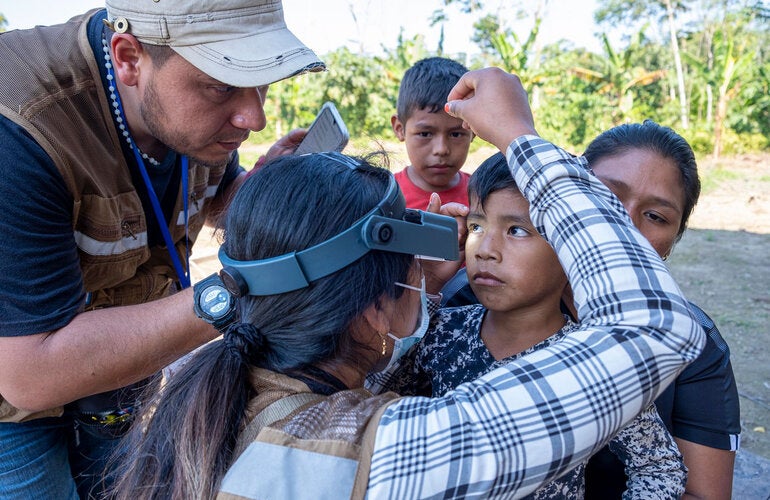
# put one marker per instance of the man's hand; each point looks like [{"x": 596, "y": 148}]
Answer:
[
  {"x": 493, "y": 104},
  {"x": 286, "y": 145}
]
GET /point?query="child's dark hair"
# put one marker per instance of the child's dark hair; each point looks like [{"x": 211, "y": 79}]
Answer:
[
  {"x": 492, "y": 175},
  {"x": 426, "y": 85},
  {"x": 656, "y": 138}
]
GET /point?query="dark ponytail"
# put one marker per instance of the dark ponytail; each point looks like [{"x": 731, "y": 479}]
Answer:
[{"x": 182, "y": 442}]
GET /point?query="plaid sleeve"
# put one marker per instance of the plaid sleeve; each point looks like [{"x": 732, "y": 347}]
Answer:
[
  {"x": 434, "y": 303},
  {"x": 524, "y": 424}
]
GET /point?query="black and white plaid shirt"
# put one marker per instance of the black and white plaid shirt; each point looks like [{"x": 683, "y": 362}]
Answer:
[{"x": 521, "y": 425}]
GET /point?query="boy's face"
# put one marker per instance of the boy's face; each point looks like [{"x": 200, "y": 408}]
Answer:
[
  {"x": 510, "y": 266},
  {"x": 437, "y": 146}
]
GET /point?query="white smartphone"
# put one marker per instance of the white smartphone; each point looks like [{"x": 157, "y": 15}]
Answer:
[{"x": 327, "y": 132}]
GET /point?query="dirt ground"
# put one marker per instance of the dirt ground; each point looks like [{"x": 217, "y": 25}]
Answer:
[{"x": 722, "y": 264}]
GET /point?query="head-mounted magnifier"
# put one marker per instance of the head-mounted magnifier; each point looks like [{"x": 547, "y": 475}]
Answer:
[{"x": 389, "y": 226}]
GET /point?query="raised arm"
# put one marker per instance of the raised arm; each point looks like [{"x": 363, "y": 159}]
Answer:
[{"x": 525, "y": 424}]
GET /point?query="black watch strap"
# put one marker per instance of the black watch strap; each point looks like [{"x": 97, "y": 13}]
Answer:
[{"x": 213, "y": 303}]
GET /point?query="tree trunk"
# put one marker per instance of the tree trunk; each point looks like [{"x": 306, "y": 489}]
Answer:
[
  {"x": 719, "y": 121},
  {"x": 678, "y": 64},
  {"x": 724, "y": 97},
  {"x": 709, "y": 104}
]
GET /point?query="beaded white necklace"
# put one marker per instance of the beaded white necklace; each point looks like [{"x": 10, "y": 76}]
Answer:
[{"x": 115, "y": 106}]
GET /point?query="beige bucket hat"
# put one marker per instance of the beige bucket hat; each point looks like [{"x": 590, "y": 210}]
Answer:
[{"x": 244, "y": 43}]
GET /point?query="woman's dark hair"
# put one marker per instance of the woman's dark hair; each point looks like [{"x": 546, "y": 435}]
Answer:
[
  {"x": 184, "y": 441},
  {"x": 492, "y": 175},
  {"x": 658, "y": 139}
]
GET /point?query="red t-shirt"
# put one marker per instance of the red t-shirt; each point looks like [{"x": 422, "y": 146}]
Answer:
[{"x": 419, "y": 199}]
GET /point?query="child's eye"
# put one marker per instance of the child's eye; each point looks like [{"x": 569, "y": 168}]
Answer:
[
  {"x": 458, "y": 135},
  {"x": 424, "y": 134},
  {"x": 517, "y": 231}
]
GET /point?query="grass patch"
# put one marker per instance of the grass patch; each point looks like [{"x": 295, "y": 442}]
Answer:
[{"x": 710, "y": 179}]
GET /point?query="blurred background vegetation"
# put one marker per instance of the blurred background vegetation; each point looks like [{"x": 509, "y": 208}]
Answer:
[
  {"x": 710, "y": 80},
  {"x": 706, "y": 74}
]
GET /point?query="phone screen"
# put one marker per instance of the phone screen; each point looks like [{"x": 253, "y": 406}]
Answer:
[{"x": 327, "y": 132}]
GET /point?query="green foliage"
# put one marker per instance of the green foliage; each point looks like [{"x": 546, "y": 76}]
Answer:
[
  {"x": 578, "y": 93},
  {"x": 734, "y": 143},
  {"x": 701, "y": 139},
  {"x": 483, "y": 31},
  {"x": 363, "y": 88},
  {"x": 753, "y": 98},
  {"x": 573, "y": 119},
  {"x": 726, "y": 58},
  {"x": 571, "y": 110},
  {"x": 619, "y": 74}
]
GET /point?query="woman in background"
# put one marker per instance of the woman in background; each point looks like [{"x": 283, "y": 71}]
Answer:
[{"x": 652, "y": 170}]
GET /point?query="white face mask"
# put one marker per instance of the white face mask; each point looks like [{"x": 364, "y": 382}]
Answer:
[{"x": 402, "y": 345}]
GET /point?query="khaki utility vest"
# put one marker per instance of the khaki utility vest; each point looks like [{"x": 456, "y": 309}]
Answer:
[
  {"x": 301, "y": 445},
  {"x": 50, "y": 86}
]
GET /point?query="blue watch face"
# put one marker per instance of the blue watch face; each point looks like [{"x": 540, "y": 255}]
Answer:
[{"x": 215, "y": 301}]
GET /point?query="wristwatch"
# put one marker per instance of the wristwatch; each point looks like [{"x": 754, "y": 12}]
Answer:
[{"x": 213, "y": 303}]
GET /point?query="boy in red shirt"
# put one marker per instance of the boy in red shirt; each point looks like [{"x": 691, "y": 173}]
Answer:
[{"x": 436, "y": 143}]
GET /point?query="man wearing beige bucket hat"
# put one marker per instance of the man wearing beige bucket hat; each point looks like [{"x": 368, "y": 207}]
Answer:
[{"x": 118, "y": 136}]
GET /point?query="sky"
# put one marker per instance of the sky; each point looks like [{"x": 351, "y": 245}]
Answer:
[{"x": 364, "y": 25}]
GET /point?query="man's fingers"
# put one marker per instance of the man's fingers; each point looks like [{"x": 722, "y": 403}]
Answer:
[{"x": 463, "y": 88}]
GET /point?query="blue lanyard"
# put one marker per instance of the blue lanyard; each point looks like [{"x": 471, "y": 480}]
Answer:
[{"x": 182, "y": 272}]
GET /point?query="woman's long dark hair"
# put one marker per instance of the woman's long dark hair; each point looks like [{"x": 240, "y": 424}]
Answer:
[
  {"x": 656, "y": 138},
  {"x": 182, "y": 443}
]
